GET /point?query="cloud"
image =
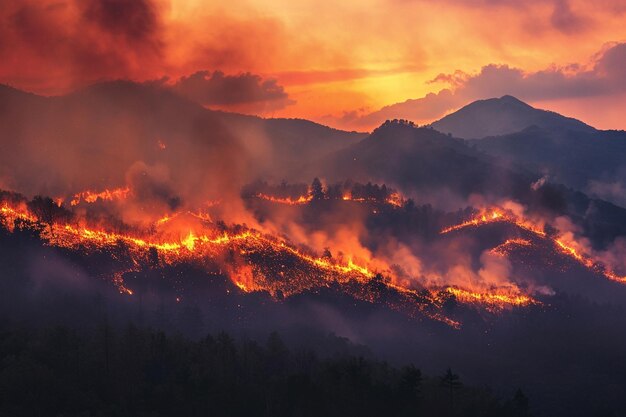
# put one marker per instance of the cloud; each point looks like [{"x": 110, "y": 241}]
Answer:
[
  {"x": 48, "y": 44},
  {"x": 134, "y": 20},
  {"x": 563, "y": 17},
  {"x": 342, "y": 74},
  {"x": 426, "y": 108},
  {"x": 219, "y": 89},
  {"x": 614, "y": 191},
  {"x": 606, "y": 75}
]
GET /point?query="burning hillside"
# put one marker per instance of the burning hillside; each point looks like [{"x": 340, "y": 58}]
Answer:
[
  {"x": 253, "y": 260},
  {"x": 563, "y": 243},
  {"x": 259, "y": 260}
]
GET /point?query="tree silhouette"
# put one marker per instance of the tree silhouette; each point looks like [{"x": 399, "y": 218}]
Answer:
[
  {"x": 520, "y": 403},
  {"x": 451, "y": 382},
  {"x": 317, "y": 191},
  {"x": 411, "y": 381},
  {"x": 47, "y": 211}
]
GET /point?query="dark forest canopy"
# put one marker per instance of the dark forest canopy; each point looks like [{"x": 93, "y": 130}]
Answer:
[{"x": 58, "y": 371}]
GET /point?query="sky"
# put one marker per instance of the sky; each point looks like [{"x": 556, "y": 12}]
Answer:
[{"x": 349, "y": 64}]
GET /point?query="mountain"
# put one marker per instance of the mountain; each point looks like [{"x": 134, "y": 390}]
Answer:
[
  {"x": 441, "y": 169},
  {"x": 422, "y": 159},
  {"x": 91, "y": 138},
  {"x": 500, "y": 116},
  {"x": 525, "y": 294},
  {"x": 47, "y": 286},
  {"x": 585, "y": 160}
]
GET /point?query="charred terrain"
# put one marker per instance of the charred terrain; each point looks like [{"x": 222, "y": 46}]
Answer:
[{"x": 491, "y": 243}]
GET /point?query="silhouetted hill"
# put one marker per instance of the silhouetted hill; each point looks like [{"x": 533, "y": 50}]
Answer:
[
  {"x": 499, "y": 116},
  {"x": 577, "y": 158},
  {"x": 422, "y": 159},
  {"x": 92, "y": 137}
]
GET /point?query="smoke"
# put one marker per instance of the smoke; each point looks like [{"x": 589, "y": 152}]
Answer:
[
  {"x": 614, "y": 191},
  {"x": 185, "y": 166},
  {"x": 50, "y": 271},
  {"x": 615, "y": 256},
  {"x": 77, "y": 42},
  {"x": 539, "y": 183}
]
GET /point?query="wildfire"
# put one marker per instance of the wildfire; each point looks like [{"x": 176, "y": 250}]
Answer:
[
  {"x": 566, "y": 246},
  {"x": 166, "y": 219},
  {"x": 495, "y": 300},
  {"x": 303, "y": 199},
  {"x": 506, "y": 245},
  {"x": 394, "y": 199},
  {"x": 106, "y": 195},
  {"x": 298, "y": 271},
  {"x": 490, "y": 216},
  {"x": 495, "y": 215}
]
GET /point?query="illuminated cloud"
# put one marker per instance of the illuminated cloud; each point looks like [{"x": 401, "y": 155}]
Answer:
[
  {"x": 606, "y": 76},
  {"x": 327, "y": 59}
]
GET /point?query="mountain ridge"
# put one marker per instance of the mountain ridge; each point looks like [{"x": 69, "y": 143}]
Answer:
[{"x": 503, "y": 115}]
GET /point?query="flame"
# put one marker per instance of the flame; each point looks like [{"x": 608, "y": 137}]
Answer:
[
  {"x": 564, "y": 244},
  {"x": 309, "y": 271},
  {"x": 165, "y": 219},
  {"x": 496, "y": 299},
  {"x": 303, "y": 199},
  {"x": 504, "y": 247},
  {"x": 394, "y": 199},
  {"x": 106, "y": 195},
  {"x": 489, "y": 216},
  {"x": 495, "y": 215}
]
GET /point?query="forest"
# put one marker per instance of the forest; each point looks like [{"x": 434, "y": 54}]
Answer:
[{"x": 104, "y": 371}]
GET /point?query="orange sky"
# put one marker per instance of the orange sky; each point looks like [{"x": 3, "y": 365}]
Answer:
[{"x": 337, "y": 62}]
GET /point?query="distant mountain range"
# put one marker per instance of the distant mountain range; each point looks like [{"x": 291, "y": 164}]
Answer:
[
  {"x": 503, "y": 146},
  {"x": 55, "y": 138},
  {"x": 563, "y": 149}
]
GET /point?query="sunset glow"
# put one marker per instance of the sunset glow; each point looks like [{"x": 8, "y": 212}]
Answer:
[{"x": 339, "y": 64}]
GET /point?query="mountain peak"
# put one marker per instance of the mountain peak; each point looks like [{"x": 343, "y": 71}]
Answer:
[
  {"x": 501, "y": 116},
  {"x": 508, "y": 99}
]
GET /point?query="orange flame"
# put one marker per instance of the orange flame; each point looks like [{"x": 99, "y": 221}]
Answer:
[
  {"x": 197, "y": 247},
  {"x": 566, "y": 246},
  {"x": 303, "y": 199},
  {"x": 106, "y": 195}
]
